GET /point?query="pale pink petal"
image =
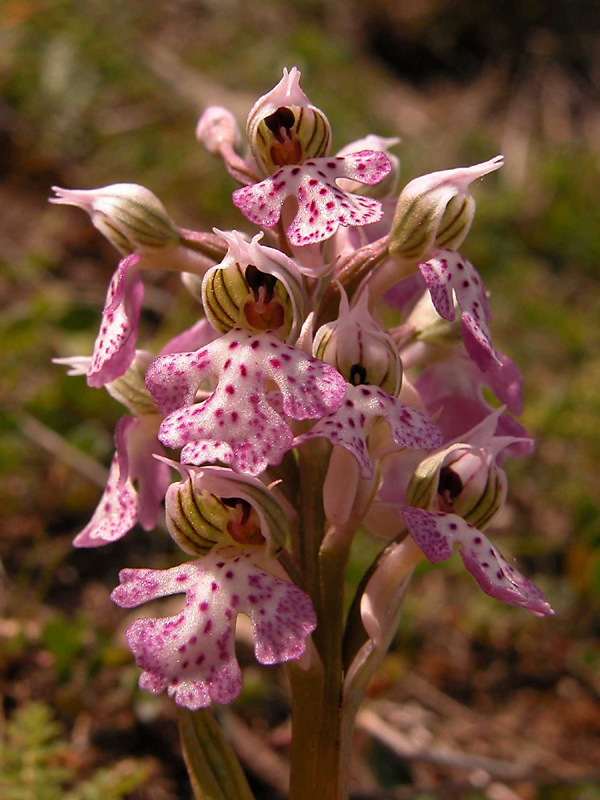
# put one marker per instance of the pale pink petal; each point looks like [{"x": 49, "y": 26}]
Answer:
[
  {"x": 152, "y": 476},
  {"x": 506, "y": 381},
  {"x": 452, "y": 393},
  {"x": 437, "y": 533},
  {"x": 200, "y": 334},
  {"x": 114, "y": 348},
  {"x": 237, "y": 424},
  {"x": 405, "y": 292},
  {"x": 349, "y": 426},
  {"x": 322, "y": 205},
  {"x": 192, "y": 654},
  {"x": 122, "y": 505}
]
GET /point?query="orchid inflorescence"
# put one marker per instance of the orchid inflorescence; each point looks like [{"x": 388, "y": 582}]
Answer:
[{"x": 289, "y": 365}]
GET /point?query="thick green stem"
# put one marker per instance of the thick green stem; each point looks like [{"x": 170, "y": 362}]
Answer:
[
  {"x": 317, "y": 771},
  {"x": 307, "y": 700},
  {"x": 331, "y": 769}
]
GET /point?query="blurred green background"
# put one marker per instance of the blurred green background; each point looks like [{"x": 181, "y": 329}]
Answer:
[{"x": 95, "y": 92}]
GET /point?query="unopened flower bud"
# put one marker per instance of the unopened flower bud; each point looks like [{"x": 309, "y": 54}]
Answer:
[
  {"x": 462, "y": 479},
  {"x": 436, "y": 210},
  {"x": 130, "y": 216},
  {"x": 217, "y": 127},
  {"x": 255, "y": 288},
  {"x": 130, "y": 388},
  {"x": 284, "y": 128},
  {"x": 215, "y": 505},
  {"x": 385, "y": 188},
  {"x": 359, "y": 348}
]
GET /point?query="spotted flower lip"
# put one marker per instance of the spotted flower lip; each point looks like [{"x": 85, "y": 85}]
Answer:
[
  {"x": 447, "y": 273},
  {"x": 237, "y": 424},
  {"x": 322, "y": 205},
  {"x": 191, "y": 654},
  {"x": 350, "y": 425},
  {"x": 122, "y": 506},
  {"x": 114, "y": 348},
  {"x": 436, "y": 533}
]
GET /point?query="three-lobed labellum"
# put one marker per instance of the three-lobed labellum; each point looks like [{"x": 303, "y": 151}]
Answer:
[
  {"x": 238, "y": 424},
  {"x": 322, "y": 205},
  {"x": 191, "y": 654}
]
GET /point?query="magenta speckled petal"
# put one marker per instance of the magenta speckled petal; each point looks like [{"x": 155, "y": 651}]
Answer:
[
  {"x": 118, "y": 509},
  {"x": 322, "y": 205},
  {"x": 192, "y": 654},
  {"x": 114, "y": 348},
  {"x": 349, "y": 426},
  {"x": 436, "y": 534},
  {"x": 122, "y": 506},
  {"x": 236, "y": 424},
  {"x": 448, "y": 273}
]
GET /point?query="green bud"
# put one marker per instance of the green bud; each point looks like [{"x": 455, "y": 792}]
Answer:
[
  {"x": 130, "y": 216},
  {"x": 359, "y": 348},
  {"x": 436, "y": 210}
]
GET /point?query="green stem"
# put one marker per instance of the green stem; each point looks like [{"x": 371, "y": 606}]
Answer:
[
  {"x": 331, "y": 769},
  {"x": 316, "y": 770},
  {"x": 307, "y": 700}
]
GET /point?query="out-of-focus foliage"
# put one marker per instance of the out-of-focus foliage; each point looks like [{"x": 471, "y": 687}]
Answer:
[{"x": 36, "y": 763}]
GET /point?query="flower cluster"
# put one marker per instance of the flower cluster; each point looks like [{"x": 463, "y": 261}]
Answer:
[{"x": 290, "y": 348}]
